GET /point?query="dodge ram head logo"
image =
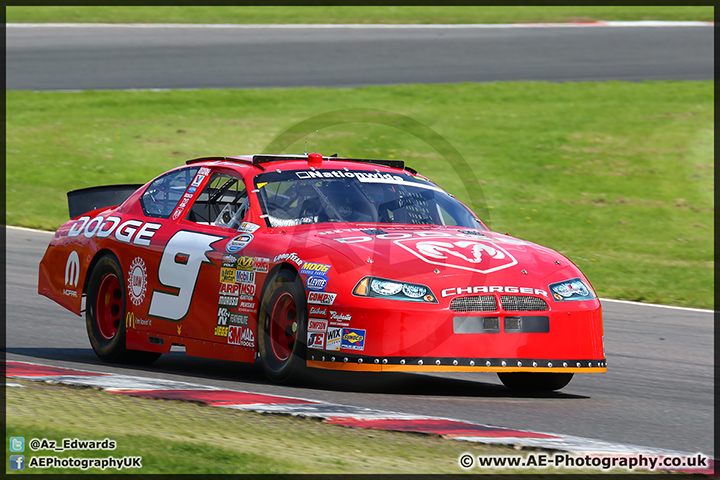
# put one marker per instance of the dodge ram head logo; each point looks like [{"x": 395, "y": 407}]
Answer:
[{"x": 473, "y": 255}]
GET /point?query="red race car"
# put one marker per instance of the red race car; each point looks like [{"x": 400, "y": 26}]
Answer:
[{"x": 320, "y": 262}]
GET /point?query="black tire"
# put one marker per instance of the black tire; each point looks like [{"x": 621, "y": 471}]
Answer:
[
  {"x": 282, "y": 327},
  {"x": 105, "y": 314},
  {"x": 535, "y": 382}
]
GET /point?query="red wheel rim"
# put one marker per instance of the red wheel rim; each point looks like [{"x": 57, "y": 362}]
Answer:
[
  {"x": 283, "y": 326},
  {"x": 108, "y": 308}
]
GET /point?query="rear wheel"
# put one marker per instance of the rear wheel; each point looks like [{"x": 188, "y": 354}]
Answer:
[
  {"x": 535, "y": 382},
  {"x": 282, "y": 326},
  {"x": 105, "y": 312}
]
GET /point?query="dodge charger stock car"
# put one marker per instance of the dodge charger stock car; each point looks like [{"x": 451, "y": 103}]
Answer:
[{"x": 305, "y": 261}]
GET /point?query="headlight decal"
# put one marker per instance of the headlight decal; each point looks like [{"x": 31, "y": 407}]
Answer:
[
  {"x": 573, "y": 289},
  {"x": 376, "y": 287}
]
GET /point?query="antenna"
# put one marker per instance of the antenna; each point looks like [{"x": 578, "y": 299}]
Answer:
[
  {"x": 305, "y": 148},
  {"x": 316, "y": 135}
]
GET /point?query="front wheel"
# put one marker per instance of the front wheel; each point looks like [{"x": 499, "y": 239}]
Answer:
[
  {"x": 535, "y": 382},
  {"x": 282, "y": 326},
  {"x": 105, "y": 312}
]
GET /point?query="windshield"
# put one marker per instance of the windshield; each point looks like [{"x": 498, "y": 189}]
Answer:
[{"x": 321, "y": 196}]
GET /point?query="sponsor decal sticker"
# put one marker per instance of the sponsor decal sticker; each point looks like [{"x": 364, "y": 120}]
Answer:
[
  {"x": 204, "y": 171},
  {"x": 333, "y": 338},
  {"x": 248, "y": 227},
  {"x": 229, "y": 261},
  {"x": 229, "y": 289},
  {"x": 222, "y": 316},
  {"x": 137, "y": 281},
  {"x": 227, "y": 275},
  {"x": 321, "y": 298},
  {"x": 292, "y": 257},
  {"x": 247, "y": 290},
  {"x": 316, "y": 311},
  {"x": 316, "y": 283},
  {"x": 197, "y": 180},
  {"x": 316, "y": 340},
  {"x": 239, "y": 319},
  {"x": 228, "y": 301},
  {"x": 250, "y": 305},
  {"x": 491, "y": 289},
  {"x": 72, "y": 270},
  {"x": 311, "y": 268},
  {"x": 353, "y": 339},
  {"x": 221, "y": 331},
  {"x": 340, "y": 319},
  {"x": 238, "y": 243},
  {"x": 243, "y": 276},
  {"x": 245, "y": 263},
  {"x": 317, "y": 325},
  {"x": 242, "y": 336},
  {"x": 261, "y": 264}
]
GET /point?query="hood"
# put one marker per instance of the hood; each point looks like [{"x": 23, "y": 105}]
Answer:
[{"x": 422, "y": 253}]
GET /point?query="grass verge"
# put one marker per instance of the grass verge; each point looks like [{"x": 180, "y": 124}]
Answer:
[
  {"x": 619, "y": 177},
  {"x": 366, "y": 14},
  {"x": 175, "y": 437}
]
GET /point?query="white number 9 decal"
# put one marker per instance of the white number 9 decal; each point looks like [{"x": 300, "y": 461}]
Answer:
[{"x": 179, "y": 268}]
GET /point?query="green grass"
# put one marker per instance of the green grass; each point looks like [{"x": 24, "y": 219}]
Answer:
[
  {"x": 617, "y": 176},
  {"x": 366, "y": 14},
  {"x": 175, "y": 437}
]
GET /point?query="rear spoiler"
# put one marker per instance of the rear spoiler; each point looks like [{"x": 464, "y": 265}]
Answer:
[{"x": 84, "y": 200}]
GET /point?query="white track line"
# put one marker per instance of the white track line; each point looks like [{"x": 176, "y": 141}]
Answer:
[
  {"x": 625, "y": 302},
  {"x": 387, "y": 26}
]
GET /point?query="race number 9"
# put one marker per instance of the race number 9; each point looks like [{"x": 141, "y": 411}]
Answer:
[{"x": 179, "y": 268}]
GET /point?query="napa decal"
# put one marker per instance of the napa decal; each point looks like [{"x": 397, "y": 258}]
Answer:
[
  {"x": 353, "y": 339},
  {"x": 238, "y": 243}
]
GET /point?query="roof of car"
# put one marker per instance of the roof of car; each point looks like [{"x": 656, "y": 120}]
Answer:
[{"x": 260, "y": 161}]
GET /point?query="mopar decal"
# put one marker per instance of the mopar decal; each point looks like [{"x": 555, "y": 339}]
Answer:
[{"x": 72, "y": 270}]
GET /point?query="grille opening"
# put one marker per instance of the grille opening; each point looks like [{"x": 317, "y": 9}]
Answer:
[
  {"x": 513, "y": 324},
  {"x": 517, "y": 303},
  {"x": 481, "y": 303},
  {"x": 476, "y": 325}
]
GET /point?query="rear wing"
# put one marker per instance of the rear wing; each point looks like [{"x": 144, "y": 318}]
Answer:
[{"x": 84, "y": 200}]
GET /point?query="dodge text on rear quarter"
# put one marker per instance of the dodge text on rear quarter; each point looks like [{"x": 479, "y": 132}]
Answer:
[{"x": 319, "y": 262}]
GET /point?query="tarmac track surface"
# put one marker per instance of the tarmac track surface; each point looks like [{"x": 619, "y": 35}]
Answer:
[
  {"x": 658, "y": 391},
  {"x": 146, "y": 57}
]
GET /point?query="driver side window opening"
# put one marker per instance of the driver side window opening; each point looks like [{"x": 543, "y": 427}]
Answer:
[{"x": 222, "y": 203}]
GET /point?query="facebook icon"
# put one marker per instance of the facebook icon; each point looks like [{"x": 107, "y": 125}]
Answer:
[{"x": 17, "y": 462}]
